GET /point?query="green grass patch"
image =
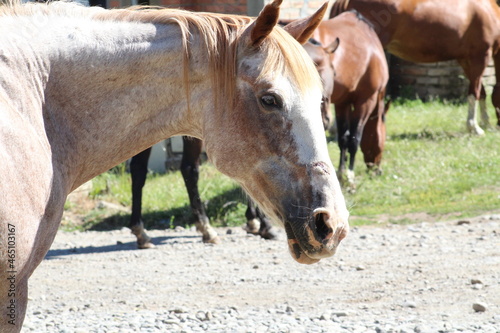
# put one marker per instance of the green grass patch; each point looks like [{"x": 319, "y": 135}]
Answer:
[{"x": 431, "y": 166}]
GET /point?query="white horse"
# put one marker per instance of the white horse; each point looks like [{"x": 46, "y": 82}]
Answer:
[{"x": 70, "y": 75}]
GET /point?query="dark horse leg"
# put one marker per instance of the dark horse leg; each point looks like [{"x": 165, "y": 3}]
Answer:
[
  {"x": 258, "y": 223},
  {"x": 342, "y": 111},
  {"x": 190, "y": 169},
  {"x": 139, "y": 170},
  {"x": 190, "y": 164},
  {"x": 351, "y": 120},
  {"x": 495, "y": 96}
]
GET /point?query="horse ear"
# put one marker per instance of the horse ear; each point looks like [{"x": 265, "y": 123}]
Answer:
[
  {"x": 265, "y": 22},
  {"x": 333, "y": 46},
  {"x": 303, "y": 29}
]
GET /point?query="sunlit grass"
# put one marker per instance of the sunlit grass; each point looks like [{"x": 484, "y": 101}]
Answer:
[{"x": 431, "y": 165}]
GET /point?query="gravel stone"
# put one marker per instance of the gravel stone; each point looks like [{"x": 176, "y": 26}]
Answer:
[
  {"x": 479, "y": 307},
  {"x": 412, "y": 280}
]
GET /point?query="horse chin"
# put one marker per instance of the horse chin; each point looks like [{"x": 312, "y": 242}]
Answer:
[
  {"x": 298, "y": 254},
  {"x": 316, "y": 250}
]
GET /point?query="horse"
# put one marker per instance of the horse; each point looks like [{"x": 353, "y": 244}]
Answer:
[
  {"x": 353, "y": 61},
  {"x": 439, "y": 30},
  {"x": 84, "y": 89},
  {"x": 257, "y": 222}
]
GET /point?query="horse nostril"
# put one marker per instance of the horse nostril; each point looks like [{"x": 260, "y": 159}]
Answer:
[{"x": 322, "y": 221}]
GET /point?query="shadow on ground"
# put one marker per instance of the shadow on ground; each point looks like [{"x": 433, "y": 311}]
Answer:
[
  {"x": 116, "y": 247},
  {"x": 217, "y": 208}
]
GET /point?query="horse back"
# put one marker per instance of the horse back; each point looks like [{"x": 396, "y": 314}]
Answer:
[
  {"x": 430, "y": 30},
  {"x": 360, "y": 64}
]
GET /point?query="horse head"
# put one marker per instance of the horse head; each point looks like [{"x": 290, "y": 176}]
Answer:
[
  {"x": 322, "y": 58},
  {"x": 273, "y": 142}
]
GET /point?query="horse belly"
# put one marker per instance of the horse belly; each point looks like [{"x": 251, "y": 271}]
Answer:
[{"x": 429, "y": 32}]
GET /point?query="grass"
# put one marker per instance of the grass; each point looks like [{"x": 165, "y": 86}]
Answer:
[{"x": 432, "y": 169}]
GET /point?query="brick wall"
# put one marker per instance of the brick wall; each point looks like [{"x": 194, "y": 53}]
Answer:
[
  {"x": 293, "y": 9},
  {"x": 444, "y": 79}
]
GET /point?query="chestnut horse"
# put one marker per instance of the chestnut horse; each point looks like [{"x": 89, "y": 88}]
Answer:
[
  {"x": 360, "y": 80},
  {"x": 257, "y": 223},
  {"x": 71, "y": 76},
  {"x": 439, "y": 30}
]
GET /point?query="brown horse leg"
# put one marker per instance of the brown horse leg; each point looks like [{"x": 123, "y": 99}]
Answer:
[
  {"x": 473, "y": 69},
  {"x": 258, "y": 223},
  {"x": 138, "y": 171},
  {"x": 485, "y": 119},
  {"x": 374, "y": 135},
  {"x": 190, "y": 169}
]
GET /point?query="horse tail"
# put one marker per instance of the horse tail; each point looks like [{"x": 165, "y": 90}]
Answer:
[{"x": 338, "y": 7}]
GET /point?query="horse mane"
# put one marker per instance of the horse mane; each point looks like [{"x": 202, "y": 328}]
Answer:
[
  {"x": 338, "y": 7},
  {"x": 362, "y": 18},
  {"x": 219, "y": 32}
]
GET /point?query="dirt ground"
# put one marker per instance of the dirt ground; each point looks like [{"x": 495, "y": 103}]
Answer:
[{"x": 423, "y": 277}]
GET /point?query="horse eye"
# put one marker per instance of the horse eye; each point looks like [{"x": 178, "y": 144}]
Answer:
[{"x": 270, "y": 101}]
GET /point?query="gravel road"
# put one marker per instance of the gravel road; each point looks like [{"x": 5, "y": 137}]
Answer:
[{"x": 424, "y": 277}]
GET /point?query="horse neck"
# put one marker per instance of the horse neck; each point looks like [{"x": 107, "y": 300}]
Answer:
[{"x": 116, "y": 90}]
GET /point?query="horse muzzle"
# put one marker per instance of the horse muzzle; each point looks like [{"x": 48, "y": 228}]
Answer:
[
  {"x": 308, "y": 201},
  {"x": 316, "y": 238}
]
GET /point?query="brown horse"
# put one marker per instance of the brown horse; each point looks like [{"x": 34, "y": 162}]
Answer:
[
  {"x": 360, "y": 80},
  {"x": 439, "y": 30},
  {"x": 84, "y": 89}
]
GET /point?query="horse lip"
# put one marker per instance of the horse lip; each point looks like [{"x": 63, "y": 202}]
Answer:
[
  {"x": 297, "y": 249},
  {"x": 298, "y": 254}
]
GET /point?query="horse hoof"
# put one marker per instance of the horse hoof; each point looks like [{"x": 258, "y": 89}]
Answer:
[
  {"x": 486, "y": 126},
  {"x": 211, "y": 240},
  {"x": 146, "y": 245},
  {"x": 373, "y": 169},
  {"x": 475, "y": 129},
  {"x": 210, "y": 237},
  {"x": 252, "y": 227},
  {"x": 269, "y": 234}
]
